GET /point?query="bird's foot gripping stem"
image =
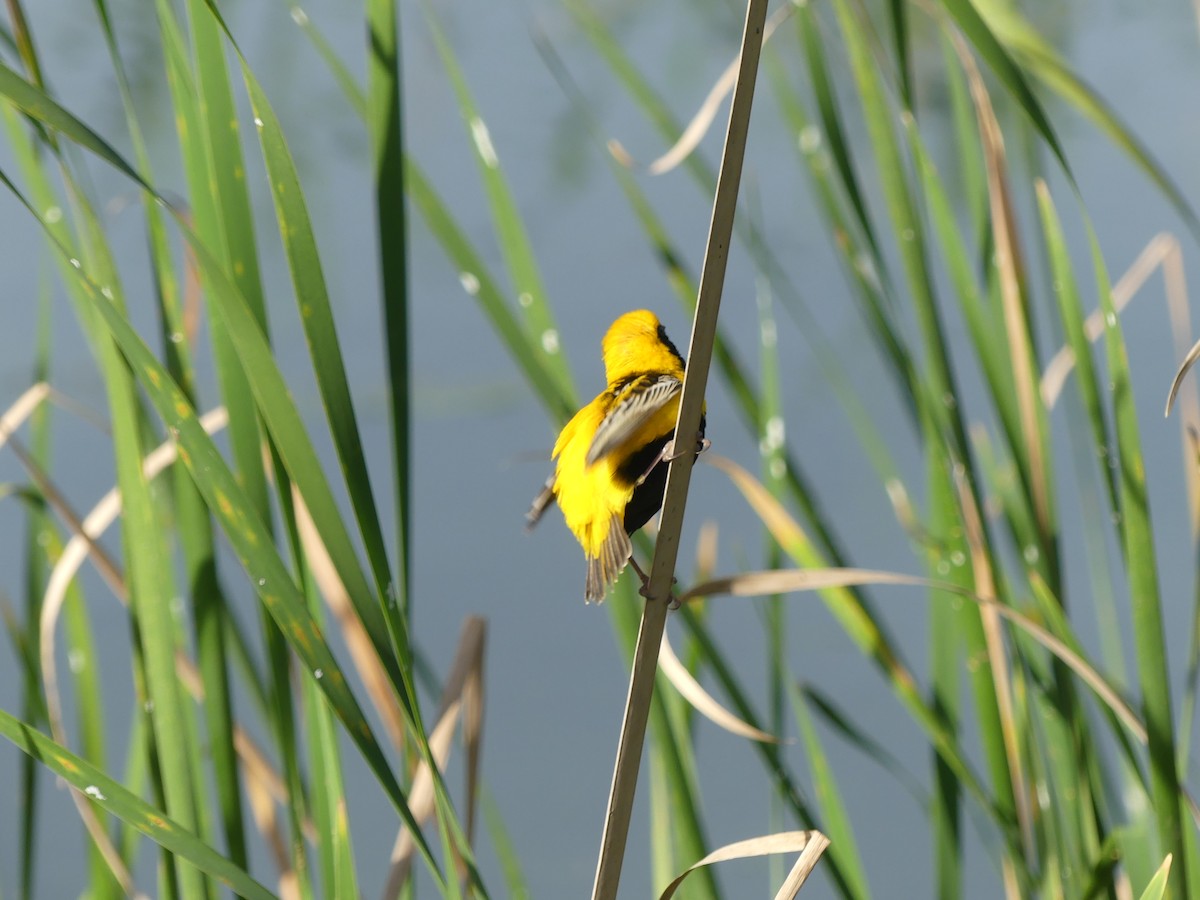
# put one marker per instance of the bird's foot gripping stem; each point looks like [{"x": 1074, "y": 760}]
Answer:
[
  {"x": 670, "y": 454},
  {"x": 644, "y": 590},
  {"x": 667, "y": 454}
]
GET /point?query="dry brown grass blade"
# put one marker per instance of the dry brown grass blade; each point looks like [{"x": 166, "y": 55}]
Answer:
[
  {"x": 789, "y": 581},
  {"x": 704, "y": 703},
  {"x": 473, "y": 709},
  {"x": 420, "y": 801},
  {"x": 802, "y": 868},
  {"x": 258, "y": 784},
  {"x": 785, "y": 581},
  {"x": 809, "y": 844},
  {"x": 985, "y": 588},
  {"x": 463, "y": 693},
  {"x": 1011, "y": 269},
  {"x": 698, "y": 127},
  {"x": 104, "y": 563},
  {"x": 1184, "y": 368},
  {"x": 786, "y": 531},
  {"x": 14, "y": 417},
  {"x": 706, "y": 549},
  {"x": 78, "y": 548},
  {"x": 358, "y": 642},
  {"x": 1162, "y": 250},
  {"x": 1187, "y": 393}
]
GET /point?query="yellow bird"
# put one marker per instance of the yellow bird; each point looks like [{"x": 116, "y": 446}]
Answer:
[{"x": 612, "y": 456}]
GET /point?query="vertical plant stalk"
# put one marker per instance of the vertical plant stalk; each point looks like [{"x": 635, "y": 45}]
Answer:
[
  {"x": 385, "y": 124},
  {"x": 666, "y": 549}
]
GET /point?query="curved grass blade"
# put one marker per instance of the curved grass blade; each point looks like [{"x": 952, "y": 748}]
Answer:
[
  {"x": 195, "y": 529},
  {"x": 274, "y": 399},
  {"x": 130, "y": 808},
  {"x": 809, "y": 844},
  {"x": 691, "y": 690},
  {"x": 308, "y": 280},
  {"x": 247, "y": 534}
]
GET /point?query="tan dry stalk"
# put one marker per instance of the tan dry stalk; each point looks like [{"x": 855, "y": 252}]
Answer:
[
  {"x": 1011, "y": 271},
  {"x": 993, "y": 633},
  {"x": 666, "y": 547}
]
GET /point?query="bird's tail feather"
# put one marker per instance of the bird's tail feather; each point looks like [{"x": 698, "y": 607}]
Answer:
[
  {"x": 544, "y": 498},
  {"x": 604, "y": 568}
]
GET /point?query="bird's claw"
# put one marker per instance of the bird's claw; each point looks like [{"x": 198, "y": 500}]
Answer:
[
  {"x": 670, "y": 455},
  {"x": 644, "y": 590}
]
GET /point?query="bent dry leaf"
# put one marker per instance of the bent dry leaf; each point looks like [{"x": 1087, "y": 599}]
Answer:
[
  {"x": 809, "y": 844},
  {"x": 1177, "y": 381},
  {"x": 462, "y": 697},
  {"x": 703, "y": 702},
  {"x": 1161, "y": 251},
  {"x": 785, "y": 581}
]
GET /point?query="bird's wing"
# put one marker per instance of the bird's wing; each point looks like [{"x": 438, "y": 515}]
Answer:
[{"x": 644, "y": 400}]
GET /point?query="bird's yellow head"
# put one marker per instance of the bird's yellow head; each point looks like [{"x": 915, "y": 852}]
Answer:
[{"x": 637, "y": 344}]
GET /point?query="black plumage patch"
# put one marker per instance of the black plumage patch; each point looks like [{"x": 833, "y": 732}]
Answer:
[{"x": 647, "y": 497}]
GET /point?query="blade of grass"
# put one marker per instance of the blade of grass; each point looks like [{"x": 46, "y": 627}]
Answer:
[
  {"x": 195, "y": 529},
  {"x": 835, "y": 821},
  {"x": 1043, "y": 62},
  {"x": 128, "y": 807},
  {"x": 227, "y": 500},
  {"x": 967, "y": 16},
  {"x": 1141, "y": 564},
  {"x": 324, "y": 349},
  {"x": 385, "y": 127}
]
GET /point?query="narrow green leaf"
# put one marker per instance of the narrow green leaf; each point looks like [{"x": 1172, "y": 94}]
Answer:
[
  {"x": 308, "y": 280},
  {"x": 835, "y": 820},
  {"x": 1040, "y": 59},
  {"x": 977, "y": 31},
  {"x": 1142, "y": 569},
  {"x": 247, "y": 534},
  {"x": 385, "y": 127},
  {"x": 128, "y": 807}
]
